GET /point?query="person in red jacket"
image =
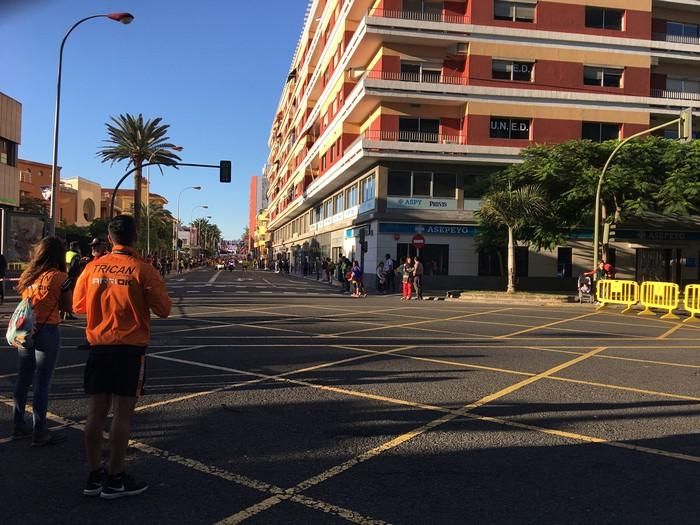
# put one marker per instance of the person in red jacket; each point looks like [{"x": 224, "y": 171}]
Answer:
[{"x": 118, "y": 292}]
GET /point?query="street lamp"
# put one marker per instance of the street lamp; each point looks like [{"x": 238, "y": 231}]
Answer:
[
  {"x": 177, "y": 224},
  {"x": 148, "y": 197},
  {"x": 123, "y": 18},
  {"x": 204, "y": 206}
]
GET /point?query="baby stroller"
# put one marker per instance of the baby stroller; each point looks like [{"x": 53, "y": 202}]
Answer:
[{"x": 585, "y": 289}]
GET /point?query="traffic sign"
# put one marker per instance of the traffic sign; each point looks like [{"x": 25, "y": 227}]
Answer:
[{"x": 418, "y": 241}]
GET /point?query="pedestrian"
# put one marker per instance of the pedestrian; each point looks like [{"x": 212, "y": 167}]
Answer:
[
  {"x": 98, "y": 248},
  {"x": 3, "y": 274},
  {"x": 324, "y": 267},
  {"x": 406, "y": 279},
  {"x": 381, "y": 278},
  {"x": 45, "y": 283},
  {"x": 118, "y": 296},
  {"x": 73, "y": 268},
  {"x": 347, "y": 275},
  {"x": 356, "y": 279},
  {"x": 418, "y": 272},
  {"x": 331, "y": 270},
  {"x": 389, "y": 271}
]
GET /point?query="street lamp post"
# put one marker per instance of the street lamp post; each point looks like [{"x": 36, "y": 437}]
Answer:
[
  {"x": 124, "y": 18},
  {"x": 177, "y": 223},
  {"x": 148, "y": 197}
]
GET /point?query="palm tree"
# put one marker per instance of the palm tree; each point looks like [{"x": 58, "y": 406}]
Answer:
[
  {"x": 141, "y": 143},
  {"x": 513, "y": 208}
]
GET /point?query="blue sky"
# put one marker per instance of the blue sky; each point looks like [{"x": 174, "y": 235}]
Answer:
[{"x": 213, "y": 69}]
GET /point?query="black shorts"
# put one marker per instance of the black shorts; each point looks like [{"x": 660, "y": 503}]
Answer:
[{"x": 119, "y": 370}]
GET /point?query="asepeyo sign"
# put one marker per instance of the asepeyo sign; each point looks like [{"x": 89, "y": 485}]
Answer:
[{"x": 421, "y": 204}]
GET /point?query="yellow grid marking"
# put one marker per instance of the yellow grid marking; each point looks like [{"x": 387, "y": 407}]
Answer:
[
  {"x": 244, "y": 481},
  {"x": 408, "y": 325}
]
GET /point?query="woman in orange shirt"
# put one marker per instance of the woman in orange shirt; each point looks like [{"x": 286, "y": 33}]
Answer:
[{"x": 45, "y": 282}]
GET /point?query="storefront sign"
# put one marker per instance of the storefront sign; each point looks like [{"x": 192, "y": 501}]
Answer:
[
  {"x": 428, "y": 229},
  {"x": 421, "y": 204}
]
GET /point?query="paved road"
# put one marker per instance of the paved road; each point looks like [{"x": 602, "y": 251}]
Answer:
[{"x": 277, "y": 400}]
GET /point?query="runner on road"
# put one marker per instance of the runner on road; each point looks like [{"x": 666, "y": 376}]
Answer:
[{"x": 118, "y": 293}]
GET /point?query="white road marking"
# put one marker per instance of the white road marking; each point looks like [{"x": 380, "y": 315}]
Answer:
[{"x": 214, "y": 277}]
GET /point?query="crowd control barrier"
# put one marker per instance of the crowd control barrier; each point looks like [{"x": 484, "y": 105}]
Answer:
[
  {"x": 615, "y": 291},
  {"x": 663, "y": 296},
  {"x": 691, "y": 302}
]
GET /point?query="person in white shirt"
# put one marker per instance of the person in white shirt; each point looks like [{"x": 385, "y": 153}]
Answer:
[{"x": 390, "y": 276}]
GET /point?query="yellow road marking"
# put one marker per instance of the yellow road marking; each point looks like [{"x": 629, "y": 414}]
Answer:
[
  {"x": 624, "y": 388},
  {"x": 408, "y": 325},
  {"x": 261, "y": 377},
  {"x": 245, "y": 481},
  {"x": 548, "y": 325},
  {"x": 403, "y": 438},
  {"x": 670, "y": 331}
]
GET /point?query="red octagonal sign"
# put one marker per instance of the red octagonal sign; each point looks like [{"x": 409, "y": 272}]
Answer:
[{"x": 418, "y": 241}]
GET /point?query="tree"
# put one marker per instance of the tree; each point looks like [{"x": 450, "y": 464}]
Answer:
[
  {"x": 140, "y": 142},
  {"x": 654, "y": 175},
  {"x": 160, "y": 231},
  {"x": 209, "y": 235},
  {"x": 34, "y": 205},
  {"x": 514, "y": 209}
]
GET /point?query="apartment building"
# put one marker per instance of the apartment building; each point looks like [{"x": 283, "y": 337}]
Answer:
[
  {"x": 35, "y": 184},
  {"x": 395, "y": 112},
  {"x": 257, "y": 201},
  {"x": 10, "y": 136}
]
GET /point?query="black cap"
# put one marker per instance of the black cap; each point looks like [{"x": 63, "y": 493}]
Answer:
[{"x": 96, "y": 242}]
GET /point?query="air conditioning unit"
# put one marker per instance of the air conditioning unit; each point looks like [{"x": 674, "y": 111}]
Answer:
[{"x": 458, "y": 50}]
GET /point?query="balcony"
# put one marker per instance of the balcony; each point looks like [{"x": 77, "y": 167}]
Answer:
[
  {"x": 676, "y": 39},
  {"x": 421, "y": 16},
  {"x": 415, "y": 136},
  {"x": 419, "y": 78},
  {"x": 675, "y": 95}
]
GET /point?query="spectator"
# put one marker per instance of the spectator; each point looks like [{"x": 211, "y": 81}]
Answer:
[
  {"x": 381, "y": 278},
  {"x": 389, "y": 272},
  {"x": 45, "y": 283},
  {"x": 73, "y": 268},
  {"x": 418, "y": 272},
  {"x": 118, "y": 331}
]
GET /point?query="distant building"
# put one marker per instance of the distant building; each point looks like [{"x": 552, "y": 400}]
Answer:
[
  {"x": 10, "y": 133},
  {"x": 257, "y": 202},
  {"x": 88, "y": 199}
]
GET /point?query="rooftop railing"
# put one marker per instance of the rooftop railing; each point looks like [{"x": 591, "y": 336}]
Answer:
[{"x": 421, "y": 16}]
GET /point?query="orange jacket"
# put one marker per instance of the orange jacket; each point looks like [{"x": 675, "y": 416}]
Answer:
[{"x": 118, "y": 291}]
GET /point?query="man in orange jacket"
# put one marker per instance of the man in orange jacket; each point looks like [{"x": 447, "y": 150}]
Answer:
[{"x": 118, "y": 291}]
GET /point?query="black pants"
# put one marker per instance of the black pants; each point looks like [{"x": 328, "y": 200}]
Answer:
[
  {"x": 391, "y": 281},
  {"x": 418, "y": 286}
]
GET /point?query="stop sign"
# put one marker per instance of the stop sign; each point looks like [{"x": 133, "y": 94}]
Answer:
[{"x": 418, "y": 241}]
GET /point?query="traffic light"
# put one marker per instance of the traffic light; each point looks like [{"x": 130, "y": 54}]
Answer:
[
  {"x": 225, "y": 171},
  {"x": 685, "y": 125}
]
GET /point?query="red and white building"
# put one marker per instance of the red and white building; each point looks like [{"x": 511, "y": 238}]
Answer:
[{"x": 395, "y": 112}]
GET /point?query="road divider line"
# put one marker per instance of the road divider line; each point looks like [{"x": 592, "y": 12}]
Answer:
[
  {"x": 547, "y": 325},
  {"x": 449, "y": 416},
  {"x": 408, "y": 325},
  {"x": 260, "y": 377},
  {"x": 214, "y": 277},
  {"x": 238, "y": 479},
  {"x": 670, "y": 331}
]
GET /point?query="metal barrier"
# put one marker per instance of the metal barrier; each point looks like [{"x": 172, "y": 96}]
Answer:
[
  {"x": 615, "y": 291},
  {"x": 663, "y": 296},
  {"x": 691, "y": 302}
]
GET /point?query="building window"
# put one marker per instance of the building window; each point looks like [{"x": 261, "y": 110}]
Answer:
[
  {"x": 89, "y": 210},
  {"x": 602, "y": 76},
  {"x": 8, "y": 152},
  {"x": 683, "y": 85},
  {"x": 323, "y": 162},
  {"x": 604, "y": 18},
  {"x": 515, "y": 11},
  {"x": 444, "y": 185},
  {"x": 399, "y": 183},
  {"x": 512, "y": 70},
  {"x": 421, "y": 184},
  {"x": 420, "y": 72},
  {"x": 351, "y": 197},
  {"x": 509, "y": 128},
  {"x": 429, "y": 10},
  {"x": 599, "y": 131},
  {"x": 419, "y": 130},
  {"x": 367, "y": 189},
  {"x": 339, "y": 203},
  {"x": 25, "y": 176}
]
